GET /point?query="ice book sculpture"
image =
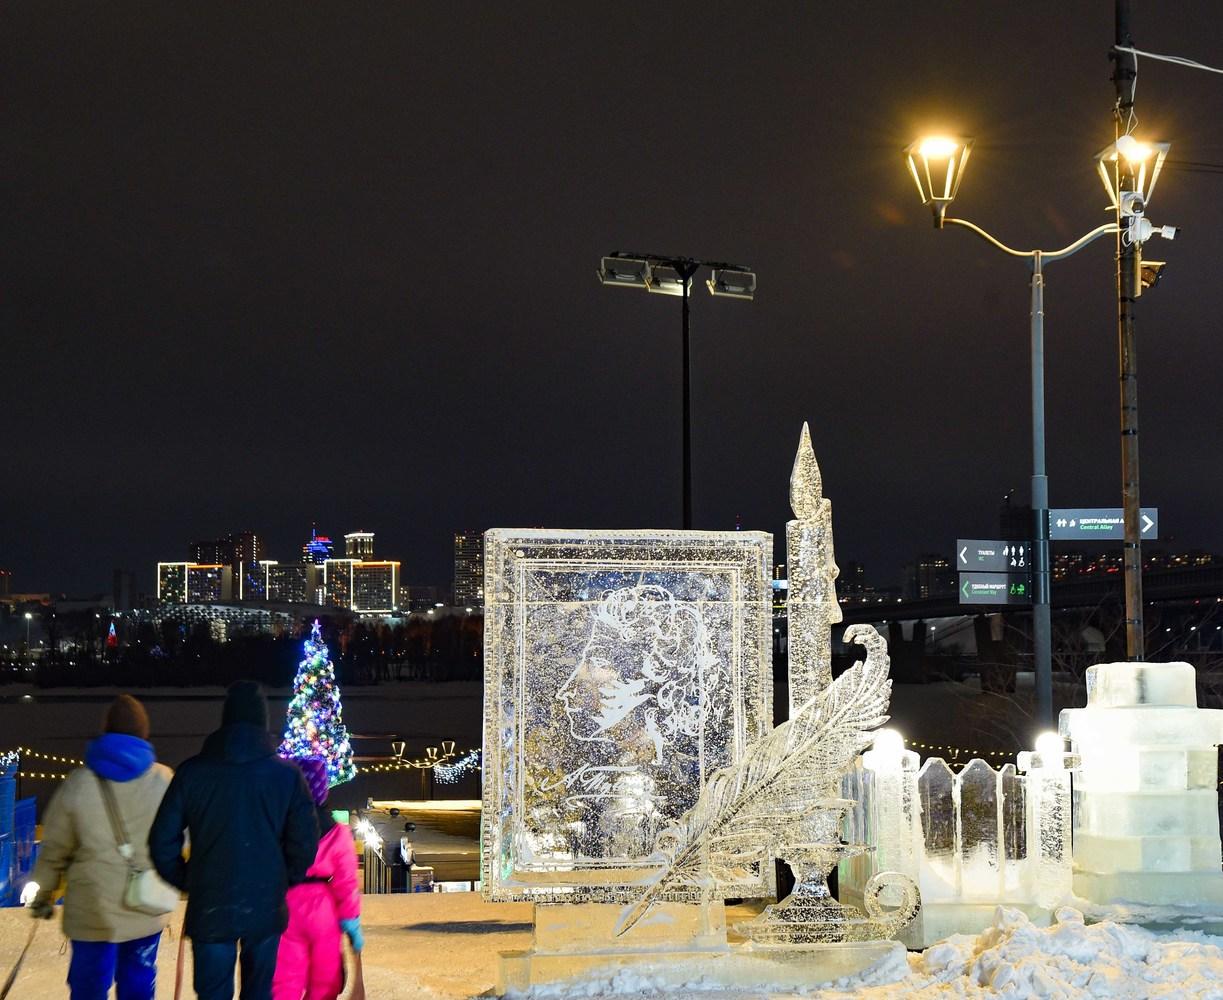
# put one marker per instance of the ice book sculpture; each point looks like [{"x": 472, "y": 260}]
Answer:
[{"x": 622, "y": 669}]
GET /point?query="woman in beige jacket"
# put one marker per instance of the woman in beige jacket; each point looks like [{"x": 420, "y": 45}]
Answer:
[{"x": 112, "y": 945}]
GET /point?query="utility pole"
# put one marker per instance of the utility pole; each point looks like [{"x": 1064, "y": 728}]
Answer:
[{"x": 1128, "y": 263}]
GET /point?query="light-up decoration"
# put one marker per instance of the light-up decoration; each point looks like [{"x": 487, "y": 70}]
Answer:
[
  {"x": 449, "y": 774},
  {"x": 10, "y": 760},
  {"x": 366, "y": 832},
  {"x": 315, "y": 726}
]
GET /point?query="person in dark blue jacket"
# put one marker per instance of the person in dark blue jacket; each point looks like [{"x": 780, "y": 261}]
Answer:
[{"x": 253, "y": 834}]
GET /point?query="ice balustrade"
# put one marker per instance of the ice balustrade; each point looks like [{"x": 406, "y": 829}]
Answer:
[{"x": 970, "y": 840}]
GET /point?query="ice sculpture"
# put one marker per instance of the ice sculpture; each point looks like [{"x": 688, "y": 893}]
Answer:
[
  {"x": 630, "y": 757},
  {"x": 972, "y": 840},
  {"x": 1146, "y": 821},
  {"x": 621, "y": 670}
]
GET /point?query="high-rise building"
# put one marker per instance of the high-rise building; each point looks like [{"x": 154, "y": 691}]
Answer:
[
  {"x": 6, "y": 582},
  {"x": 468, "y": 568},
  {"x": 193, "y": 583},
  {"x": 247, "y": 547},
  {"x": 123, "y": 590},
  {"x": 931, "y": 576},
  {"x": 375, "y": 586},
  {"x": 293, "y": 583},
  {"x": 338, "y": 582},
  {"x": 359, "y": 545},
  {"x": 318, "y": 549},
  {"x": 215, "y": 552}
]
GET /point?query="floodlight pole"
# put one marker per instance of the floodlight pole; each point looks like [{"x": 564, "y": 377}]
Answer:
[
  {"x": 1124, "y": 73},
  {"x": 1042, "y": 627}
]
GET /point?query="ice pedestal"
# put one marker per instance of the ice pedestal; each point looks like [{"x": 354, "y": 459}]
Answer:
[
  {"x": 1146, "y": 822},
  {"x": 679, "y": 943}
]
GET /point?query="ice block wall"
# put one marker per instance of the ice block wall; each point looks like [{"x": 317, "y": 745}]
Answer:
[{"x": 1146, "y": 820}]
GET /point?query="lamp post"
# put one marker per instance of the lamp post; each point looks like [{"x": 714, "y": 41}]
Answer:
[
  {"x": 667, "y": 274},
  {"x": 937, "y": 166},
  {"x": 28, "y": 618}
]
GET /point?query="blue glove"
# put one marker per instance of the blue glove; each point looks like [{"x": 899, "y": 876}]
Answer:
[{"x": 353, "y": 929}]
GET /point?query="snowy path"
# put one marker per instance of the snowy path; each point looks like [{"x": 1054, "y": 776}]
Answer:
[{"x": 443, "y": 947}]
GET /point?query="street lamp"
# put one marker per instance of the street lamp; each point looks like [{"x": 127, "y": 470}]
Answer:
[
  {"x": 665, "y": 274},
  {"x": 937, "y": 166},
  {"x": 1129, "y": 170},
  {"x": 28, "y": 618}
]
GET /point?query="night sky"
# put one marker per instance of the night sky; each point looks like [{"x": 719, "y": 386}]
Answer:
[{"x": 268, "y": 264}]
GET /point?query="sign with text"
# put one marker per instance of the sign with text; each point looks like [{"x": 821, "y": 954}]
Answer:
[
  {"x": 995, "y": 588},
  {"x": 992, "y": 555},
  {"x": 1089, "y": 524}
]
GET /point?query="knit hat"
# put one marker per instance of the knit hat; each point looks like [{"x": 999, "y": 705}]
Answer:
[
  {"x": 244, "y": 702},
  {"x": 126, "y": 715},
  {"x": 315, "y": 770}
]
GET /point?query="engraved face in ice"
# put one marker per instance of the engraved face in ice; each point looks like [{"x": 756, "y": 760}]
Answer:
[
  {"x": 621, "y": 670},
  {"x": 647, "y": 677}
]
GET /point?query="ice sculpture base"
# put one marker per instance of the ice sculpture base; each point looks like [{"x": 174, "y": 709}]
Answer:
[
  {"x": 1194, "y": 890},
  {"x": 936, "y": 921},
  {"x": 781, "y": 968}
]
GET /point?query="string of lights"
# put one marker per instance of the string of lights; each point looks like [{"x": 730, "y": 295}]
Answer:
[
  {"x": 423, "y": 764},
  {"x": 450, "y": 773},
  {"x": 958, "y": 751},
  {"x": 28, "y": 752}
]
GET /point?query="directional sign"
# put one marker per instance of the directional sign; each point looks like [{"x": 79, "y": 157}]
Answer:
[
  {"x": 1088, "y": 524},
  {"x": 986, "y": 555},
  {"x": 995, "y": 588}
]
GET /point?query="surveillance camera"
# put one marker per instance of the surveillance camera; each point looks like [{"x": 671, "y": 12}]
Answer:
[{"x": 1132, "y": 203}]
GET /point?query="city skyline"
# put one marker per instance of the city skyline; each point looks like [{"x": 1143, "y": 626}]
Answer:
[{"x": 293, "y": 235}]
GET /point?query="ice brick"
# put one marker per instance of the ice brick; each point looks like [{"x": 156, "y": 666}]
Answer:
[
  {"x": 1153, "y": 726},
  {"x": 1146, "y": 814},
  {"x": 1143, "y": 769},
  {"x": 1131, "y": 684},
  {"x": 1105, "y": 854},
  {"x": 1189, "y": 889}
]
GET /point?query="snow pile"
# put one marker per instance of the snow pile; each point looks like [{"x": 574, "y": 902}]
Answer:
[
  {"x": 1011, "y": 958},
  {"x": 1068, "y": 959}
]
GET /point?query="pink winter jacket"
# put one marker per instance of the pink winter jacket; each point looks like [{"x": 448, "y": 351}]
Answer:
[{"x": 318, "y": 908}]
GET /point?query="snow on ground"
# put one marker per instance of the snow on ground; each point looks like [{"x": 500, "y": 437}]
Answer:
[{"x": 443, "y": 946}]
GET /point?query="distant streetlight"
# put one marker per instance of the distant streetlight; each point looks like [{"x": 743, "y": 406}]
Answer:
[
  {"x": 665, "y": 274},
  {"x": 28, "y": 618},
  {"x": 937, "y": 166}
]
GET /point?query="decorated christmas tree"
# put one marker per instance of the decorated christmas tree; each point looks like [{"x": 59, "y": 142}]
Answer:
[{"x": 315, "y": 727}]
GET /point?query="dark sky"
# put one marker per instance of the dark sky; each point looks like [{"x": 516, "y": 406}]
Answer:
[{"x": 267, "y": 264}]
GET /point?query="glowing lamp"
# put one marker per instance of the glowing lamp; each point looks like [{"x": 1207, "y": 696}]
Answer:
[
  {"x": 888, "y": 743},
  {"x": 936, "y": 164},
  {"x": 732, "y": 283},
  {"x": 626, "y": 272},
  {"x": 664, "y": 279},
  {"x": 1145, "y": 159}
]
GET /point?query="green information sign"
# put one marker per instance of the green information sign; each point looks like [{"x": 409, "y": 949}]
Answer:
[{"x": 995, "y": 588}]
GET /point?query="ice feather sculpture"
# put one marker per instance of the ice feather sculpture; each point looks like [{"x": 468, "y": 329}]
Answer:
[{"x": 785, "y": 776}]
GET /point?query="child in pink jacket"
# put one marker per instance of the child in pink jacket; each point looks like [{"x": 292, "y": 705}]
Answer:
[{"x": 310, "y": 962}]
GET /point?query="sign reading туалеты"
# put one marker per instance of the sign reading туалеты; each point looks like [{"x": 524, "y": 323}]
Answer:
[
  {"x": 992, "y": 555},
  {"x": 1102, "y": 523}
]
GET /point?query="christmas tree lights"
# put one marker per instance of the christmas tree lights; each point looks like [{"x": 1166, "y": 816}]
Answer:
[{"x": 314, "y": 727}]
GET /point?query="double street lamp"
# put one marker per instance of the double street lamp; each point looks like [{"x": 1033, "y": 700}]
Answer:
[
  {"x": 666, "y": 274},
  {"x": 937, "y": 167}
]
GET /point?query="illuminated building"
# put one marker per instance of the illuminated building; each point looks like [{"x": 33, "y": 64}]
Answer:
[
  {"x": 217, "y": 552},
  {"x": 338, "y": 582},
  {"x": 292, "y": 583},
  {"x": 359, "y": 545},
  {"x": 317, "y": 550},
  {"x": 247, "y": 548},
  {"x": 193, "y": 583},
  {"x": 468, "y": 568},
  {"x": 375, "y": 586}
]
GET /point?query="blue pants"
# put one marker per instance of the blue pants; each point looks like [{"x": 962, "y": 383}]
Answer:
[
  {"x": 214, "y": 968},
  {"x": 131, "y": 966}
]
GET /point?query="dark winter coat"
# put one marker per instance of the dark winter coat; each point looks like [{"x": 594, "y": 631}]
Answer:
[{"x": 252, "y": 834}]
